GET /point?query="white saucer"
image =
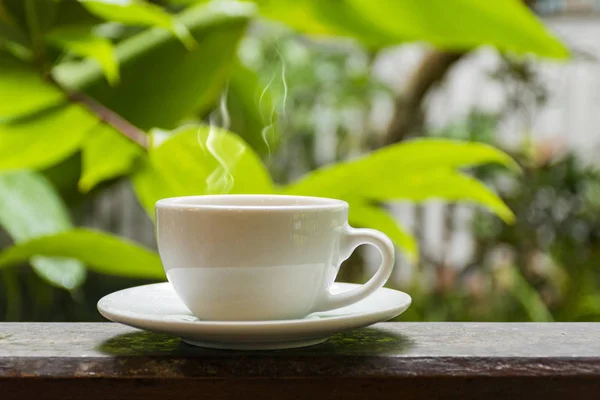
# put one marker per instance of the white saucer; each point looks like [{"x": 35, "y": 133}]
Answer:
[{"x": 157, "y": 308}]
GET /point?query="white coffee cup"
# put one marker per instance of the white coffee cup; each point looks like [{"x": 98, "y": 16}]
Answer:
[{"x": 261, "y": 257}]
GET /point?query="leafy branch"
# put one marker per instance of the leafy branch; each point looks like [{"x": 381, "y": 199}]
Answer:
[{"x": 111, "y": 118}]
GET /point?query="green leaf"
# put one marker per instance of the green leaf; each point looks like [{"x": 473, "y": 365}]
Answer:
[
  {"x": 455, "y": 25},
  {"x": 30, "y": 208},
  {"x": 371, "y": 216},
  {"x": 135, "y": 12},
  {"x": 446, "y": 185},
  {"x": 106, "y": 154},
  {"x": 416, "y": 170},
  {"x": 329, "y": 18},
  {"x": 101, "y": 252},
  {"x": 196, "y": 160},
  {"x": 182, "y": 82},
  {"x": 22, "y": 89},
  {"x": 44, "y": 139},
  {"x": 81, "y": 41},
  {"x": 251, "y": 110},
  {"x": 395, "y": 162}
]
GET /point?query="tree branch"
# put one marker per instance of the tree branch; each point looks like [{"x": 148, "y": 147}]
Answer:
[
  {"x": 111, "y": 118},
  {"x": 408, "y": 105}
]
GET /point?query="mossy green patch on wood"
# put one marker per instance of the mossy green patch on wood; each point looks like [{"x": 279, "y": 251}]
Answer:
[
  {"x": 5, "y": 337},
  {"x": 366, "y": 340},
  {"x": 140, "y": 343}
]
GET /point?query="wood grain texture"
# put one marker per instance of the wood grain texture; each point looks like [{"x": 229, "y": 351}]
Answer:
[{"x": 418, "y": 360}]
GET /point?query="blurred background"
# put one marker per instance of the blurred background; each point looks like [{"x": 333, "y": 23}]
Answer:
[{"x": 89, "y": 88}]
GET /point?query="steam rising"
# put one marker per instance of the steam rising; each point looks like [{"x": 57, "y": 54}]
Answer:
[
  {"x": 227, "y": 152},
  {"x": 270, "y": 127},
  {"x": 285, "y": 88},
  {"x": 226, "y": 119}
]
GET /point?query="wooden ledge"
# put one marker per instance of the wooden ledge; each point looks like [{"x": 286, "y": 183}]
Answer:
[{"x": 388, "y": 360}]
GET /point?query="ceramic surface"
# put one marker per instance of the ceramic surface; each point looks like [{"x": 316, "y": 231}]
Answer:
[
  {"x": 157, "y": 308},
  {"x": 261, "y": 257}
]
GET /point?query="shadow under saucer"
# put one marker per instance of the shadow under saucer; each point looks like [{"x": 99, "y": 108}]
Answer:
[{"x": 367, "y": 341}]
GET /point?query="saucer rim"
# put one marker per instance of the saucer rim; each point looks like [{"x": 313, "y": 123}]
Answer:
[{"x": 134, "y": 320}]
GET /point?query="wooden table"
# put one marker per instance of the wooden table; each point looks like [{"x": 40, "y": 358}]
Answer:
[{"x": 387, "y": 361}]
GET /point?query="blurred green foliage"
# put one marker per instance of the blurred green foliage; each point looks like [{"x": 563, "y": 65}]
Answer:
[
  {"x": 545, "y": 267},
  {"x": 94, "y": 92}
]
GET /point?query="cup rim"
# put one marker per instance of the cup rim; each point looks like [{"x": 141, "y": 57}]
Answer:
[{"x": 312, "y": 203}]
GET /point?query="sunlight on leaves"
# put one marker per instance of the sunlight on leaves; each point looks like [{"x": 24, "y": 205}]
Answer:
[
  {"x": 505, "y": 24},
  {"x": 445, "y": 185},
  {"x": 23, "y": 90},
  {"x": 196, "y": 160},
  {"x": 393, "y": 163},
  {"x": 416, "y": 170},
  {"x": 45, "y": 139}
]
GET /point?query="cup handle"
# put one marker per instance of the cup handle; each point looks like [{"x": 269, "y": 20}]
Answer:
[{"x": 351, "y": 238}]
